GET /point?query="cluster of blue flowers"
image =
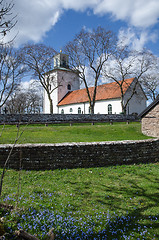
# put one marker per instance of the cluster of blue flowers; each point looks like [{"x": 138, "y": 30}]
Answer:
[{"x": 68, "y": 226}]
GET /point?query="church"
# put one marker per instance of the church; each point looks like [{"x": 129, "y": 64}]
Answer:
[{"x": 68, "y": 98}]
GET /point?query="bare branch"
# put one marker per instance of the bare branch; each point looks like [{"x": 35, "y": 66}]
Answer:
[
  {"x": 90, "y": 50},
  {"x": 126, "y": 64},
  {"x": 7, "y": 20}
]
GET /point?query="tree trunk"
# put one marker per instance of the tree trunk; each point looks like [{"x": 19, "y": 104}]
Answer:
[
  {"x": 124, "y": 110},
  {"x": 51, "y": 103},
  {"x": 92, "y": 108},
  {"x": 51, "y": 106},
  {"x": 123, "y": 107}
]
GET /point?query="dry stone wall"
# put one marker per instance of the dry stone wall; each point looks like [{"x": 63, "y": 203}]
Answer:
[
  {"x": 75, "y": 155},
  {"x": 62, "y": 118},
  {"x": 150, "y": 123}
]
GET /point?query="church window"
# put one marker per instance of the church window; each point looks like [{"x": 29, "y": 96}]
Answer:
[
  {"x": 63, "y": 62},
  {"x": 69, "y": 86},
  {"x": 109, "y": 109},
  {"x": 62, "y": 111},
  {"x": 71, "y": 110},
  {"x": 79, "y": 110}
]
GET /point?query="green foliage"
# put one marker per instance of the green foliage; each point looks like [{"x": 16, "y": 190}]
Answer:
[
  {"x": 2, "y": 232},
  {"x": 75, "y": 133}
]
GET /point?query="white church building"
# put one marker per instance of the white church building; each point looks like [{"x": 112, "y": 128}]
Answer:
[{"x": 68, "y": 98}]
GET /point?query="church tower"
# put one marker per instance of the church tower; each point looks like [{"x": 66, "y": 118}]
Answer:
[
  {"x": 61, "y": 61},
  {"x": 63, "y": 80}
]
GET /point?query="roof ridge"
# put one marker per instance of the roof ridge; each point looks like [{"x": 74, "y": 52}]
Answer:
[{"x": 114, "y": 82}]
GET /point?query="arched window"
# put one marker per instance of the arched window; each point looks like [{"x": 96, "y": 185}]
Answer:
[
  {"x": 69, "y": 86},
  {"x": 56, "y": 62},
  {"x": 79, "y": 110},
  {"x": 109, "y": 109},
  {"x": 71, "y": 110},
  {"x": 62, "y": 111}
]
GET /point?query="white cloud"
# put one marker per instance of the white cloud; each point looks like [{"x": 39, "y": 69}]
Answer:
[
  {"x": 34, "y": 19},
  {"x": 79, "y": 5},
  {"x": 140, "y": 13},
  {"x": 136, "y": 39},
  {"x": 37, "y": 17}
]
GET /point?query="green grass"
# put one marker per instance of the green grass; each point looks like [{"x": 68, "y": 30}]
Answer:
[
  {"x": 130, "y": 191},
  {"x": 121, "y": 199},
  {"x": 75, "y": 133}
]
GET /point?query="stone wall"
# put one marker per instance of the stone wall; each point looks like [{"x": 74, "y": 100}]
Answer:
[
  {"x": 61, "y": 118},
  {"x": 75, "y": 155},
  {"x": 150, "y": 122}
]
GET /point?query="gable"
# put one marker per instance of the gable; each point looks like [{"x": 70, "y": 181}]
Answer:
[
  {"x": 104, "y": 92},
  {"x": 151, "y": 107}
]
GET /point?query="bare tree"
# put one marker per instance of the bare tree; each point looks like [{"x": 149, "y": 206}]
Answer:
[
  {"x": 150, "y": 83},
  {"x": 34, "y": 102},
  {"x": 89, "y": 50},
  {"x": 11, "y": 72},
  {"x": 39, "y": 60},
  {"x": 24, "y": 101},
  {"x": 126, "y": 64},
  {"x": 7, "y": 20},
  {"x": 17, "y": 103}
]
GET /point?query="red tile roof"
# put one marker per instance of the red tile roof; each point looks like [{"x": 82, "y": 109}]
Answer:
[{"x": 105, "y": 91}]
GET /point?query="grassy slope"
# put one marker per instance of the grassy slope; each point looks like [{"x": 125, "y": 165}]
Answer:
[
  {"x": 118, "y": 188},
  {"x": 75, "y": 133},
  {"x": 126, "y": 190}
]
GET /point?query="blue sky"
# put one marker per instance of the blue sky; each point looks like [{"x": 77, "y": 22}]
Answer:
[
  {"x": 55, "y": 22},
  {"x": 71, "y": 22}
]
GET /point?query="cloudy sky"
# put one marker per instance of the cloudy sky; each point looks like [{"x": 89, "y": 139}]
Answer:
[{"x": 55, "y": 22}]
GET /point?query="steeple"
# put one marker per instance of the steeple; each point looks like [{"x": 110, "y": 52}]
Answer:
[{"x": 61, "y": 60}]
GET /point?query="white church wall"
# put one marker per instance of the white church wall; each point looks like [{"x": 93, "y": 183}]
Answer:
[
  {"x": 71, "y": 109},
  {"x": 46, "y": 103},
  {"x": 54, "y": 94},
  {"x": 101, "y": 107}
]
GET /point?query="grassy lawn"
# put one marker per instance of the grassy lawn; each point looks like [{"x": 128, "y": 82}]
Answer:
[
  {"x": 75, "y": 133},
  {"x": 118, "y": 202}
]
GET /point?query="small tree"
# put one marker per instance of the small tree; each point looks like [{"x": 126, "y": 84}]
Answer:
[
  {"x": 24, "y": 101},
  {"x": 125, "y": 64},
  {"x": 39, "y": 60},
  {"x": 89, "y": 50},
  {"x": 18, "y": 136}
]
